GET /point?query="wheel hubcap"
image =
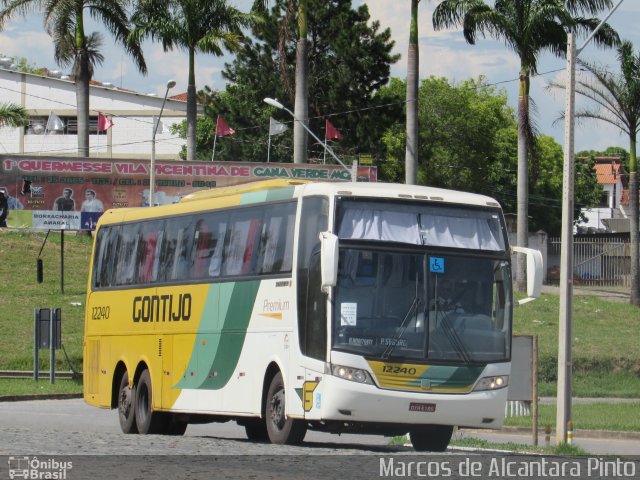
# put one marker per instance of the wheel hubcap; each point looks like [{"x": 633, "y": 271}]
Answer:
[
  {"x": 125, "y": 401},
  {"x": 277, "y": 409}
]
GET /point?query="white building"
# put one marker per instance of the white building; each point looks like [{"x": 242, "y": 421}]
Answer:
[
  {"x": 609, "y": 177},
  {"x": 132, "y": 115}
]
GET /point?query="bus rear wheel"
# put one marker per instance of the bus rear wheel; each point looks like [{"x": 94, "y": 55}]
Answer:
[
  {"x": 281, "y": 430},
  {"x": 431, "y": 438},
  {"x": 147, "y": 420},
  {"x": 126, "y": 414}
]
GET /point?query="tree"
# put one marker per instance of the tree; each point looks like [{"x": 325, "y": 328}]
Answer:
[
  {"x": 468, "y": 141},
  {"x": 528, "y": 27},
  {"x": 413, "y": 72},
  {"x": 12, "y": 115},
  {"x": 349, "y": 61},
  {"x": 64, "y": 22},
  {"x": 206, "y": 26},
  {"x": 615, "y": 99}
]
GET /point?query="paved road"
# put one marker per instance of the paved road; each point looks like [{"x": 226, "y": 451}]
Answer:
[
  {"x": 72, "y": 427},
  {"x": 88, "y": 441}
]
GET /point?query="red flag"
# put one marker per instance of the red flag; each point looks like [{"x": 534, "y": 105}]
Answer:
[
  {"x": 331, "y": 132},
  {"x": 104, "y": 123},
  {"x": 222, "y": 128}
]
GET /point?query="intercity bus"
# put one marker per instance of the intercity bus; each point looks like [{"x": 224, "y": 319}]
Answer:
[{"x": 288, "y": 305}]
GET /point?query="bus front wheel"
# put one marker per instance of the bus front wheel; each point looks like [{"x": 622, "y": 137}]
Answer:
[
  {"x": 281, "y": 430},
  {"x": 147, "y": 420},
  {"x": 126, "y": 415},
  {"x": 431, "y": 438}
]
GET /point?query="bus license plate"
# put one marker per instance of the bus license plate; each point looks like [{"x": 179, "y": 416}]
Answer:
[{"x": 422, "y": 407}]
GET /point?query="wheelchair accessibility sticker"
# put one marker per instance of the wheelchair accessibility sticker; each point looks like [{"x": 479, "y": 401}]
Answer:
[{"x": 436, "y": 264}]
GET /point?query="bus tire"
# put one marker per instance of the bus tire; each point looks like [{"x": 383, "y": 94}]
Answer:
[
  {"x": 281, "y": 430},
  {"x": 256, "y": 430},
  {"x": 126, "y": 414},
  {"x": 431, "y": 438},
  {"x": 147, "y": 420}
]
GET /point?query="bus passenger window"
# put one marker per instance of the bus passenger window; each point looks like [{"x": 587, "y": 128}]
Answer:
[
  {"x": 149, "y": 251},
  {"x": 217, "y": 248},
  {"x": 276, "y": 244},
  {"x": 126, "y": 261},
  {"x": 202, "y": 240}
]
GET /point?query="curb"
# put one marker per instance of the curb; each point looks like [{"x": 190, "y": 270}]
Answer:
[
  {"x": 603, "y": 434},
  {"x": 46, "y": 396}
]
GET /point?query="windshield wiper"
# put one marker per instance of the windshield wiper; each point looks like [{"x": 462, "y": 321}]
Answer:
[
  {"x": 454, "y": 338},
  {"x": 403, "y": 327}
]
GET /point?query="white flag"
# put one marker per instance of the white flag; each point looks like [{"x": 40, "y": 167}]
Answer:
[
  {"x": 54, "y": 123},
  {"x": 276, "y": 128},
  {"x": 161, "y": 126}
]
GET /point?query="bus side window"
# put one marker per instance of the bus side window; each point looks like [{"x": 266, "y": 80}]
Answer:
[
  {"x": 126, "y": 262},
  {"x": 276, "y": 243},
  {"x": 149, "y": 245},
  {"x": 244, "y": 227},
  {"x": 106, "y": 245},
  {"x": 202, "y": 241},
  {"x": 217, "y": 248}
]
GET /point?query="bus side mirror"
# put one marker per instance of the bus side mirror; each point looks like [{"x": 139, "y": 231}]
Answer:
[
  {"x": 328, "y": 260},
  {"x": 534, "y": 272}
]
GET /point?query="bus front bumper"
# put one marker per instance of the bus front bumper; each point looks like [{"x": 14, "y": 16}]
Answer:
[{"x": 347, "y": 401}]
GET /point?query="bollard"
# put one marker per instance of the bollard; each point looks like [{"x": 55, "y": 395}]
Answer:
[
  {"x": 569, "y": 432},
  {"x": 547, "y": 435}
]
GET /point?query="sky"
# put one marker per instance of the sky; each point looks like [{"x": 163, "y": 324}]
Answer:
[{"x": 443, "y": 54}]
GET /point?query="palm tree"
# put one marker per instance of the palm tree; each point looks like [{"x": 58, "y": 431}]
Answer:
[
  {"x": 205, "y": 26},
  {"x": 301, "y": 98},
  {"x": 617, "y": 100},
  {"x": 413, "y": 70},
  {"x": 12, "y": 115},
  {"x": 64, "y": 21},
  {"x": 301, "y": 105},
  {"x": 528, "y": 27}
]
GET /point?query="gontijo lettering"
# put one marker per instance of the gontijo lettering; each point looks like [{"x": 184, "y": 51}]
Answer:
[{"x": 162, "y": 308}]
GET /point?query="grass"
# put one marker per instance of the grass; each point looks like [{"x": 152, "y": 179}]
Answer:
[
  {"x": 22, "y": 386},
  {"x": 21, "y": 294},
  {"x": 563, "y": 449},
  {"x": 605, "y": 335},
  {"x": 597, "y": 416}
]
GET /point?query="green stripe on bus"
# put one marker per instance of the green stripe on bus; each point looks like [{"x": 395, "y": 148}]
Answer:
[
  {"x": 450, "y": 376},
  {"x": 215, "y": 355},
  {"x": 267, "y": 195}
]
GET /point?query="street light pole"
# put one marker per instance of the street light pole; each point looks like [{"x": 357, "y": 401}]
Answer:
[
  {"x": 152, "y": 172},
  {"x": 563, "y": 407},
  {"x": 277, "y": 104},
  {"x": 563, "y": 401}
]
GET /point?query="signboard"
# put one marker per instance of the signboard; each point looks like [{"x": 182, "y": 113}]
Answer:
[{"x": 71, "y": 193}]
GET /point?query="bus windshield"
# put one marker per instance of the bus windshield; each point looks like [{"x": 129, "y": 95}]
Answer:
[
  {"x": 392, "y": 304},
  {"x": 422, "y": 282}
]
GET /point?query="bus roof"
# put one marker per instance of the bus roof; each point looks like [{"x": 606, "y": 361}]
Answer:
[
  {"x": 242, "y": 188},
  {"x": 227, "y": 196},
  {"x": 399, "y": 191}
]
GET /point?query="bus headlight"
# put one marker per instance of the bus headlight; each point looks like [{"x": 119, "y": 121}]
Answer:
[
  {"x": 352, "y": 374},
  {"x": 492, "y": 383}
]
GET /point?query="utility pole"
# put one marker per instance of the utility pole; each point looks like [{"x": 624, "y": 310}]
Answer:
[
  {"x": 563, "y": 411},
  {"x": 563, "y": 405}
]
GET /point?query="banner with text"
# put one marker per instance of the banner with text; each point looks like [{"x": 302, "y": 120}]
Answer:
[{"x": 71, "y": 193}]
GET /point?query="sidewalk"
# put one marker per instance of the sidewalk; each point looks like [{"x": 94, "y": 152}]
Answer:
[
  {"x": 595, "y": 442},
  {"x": 614, "y": 296}
]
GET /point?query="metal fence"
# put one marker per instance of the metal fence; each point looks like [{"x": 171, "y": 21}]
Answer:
[{"x": 596, "y": 261}]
